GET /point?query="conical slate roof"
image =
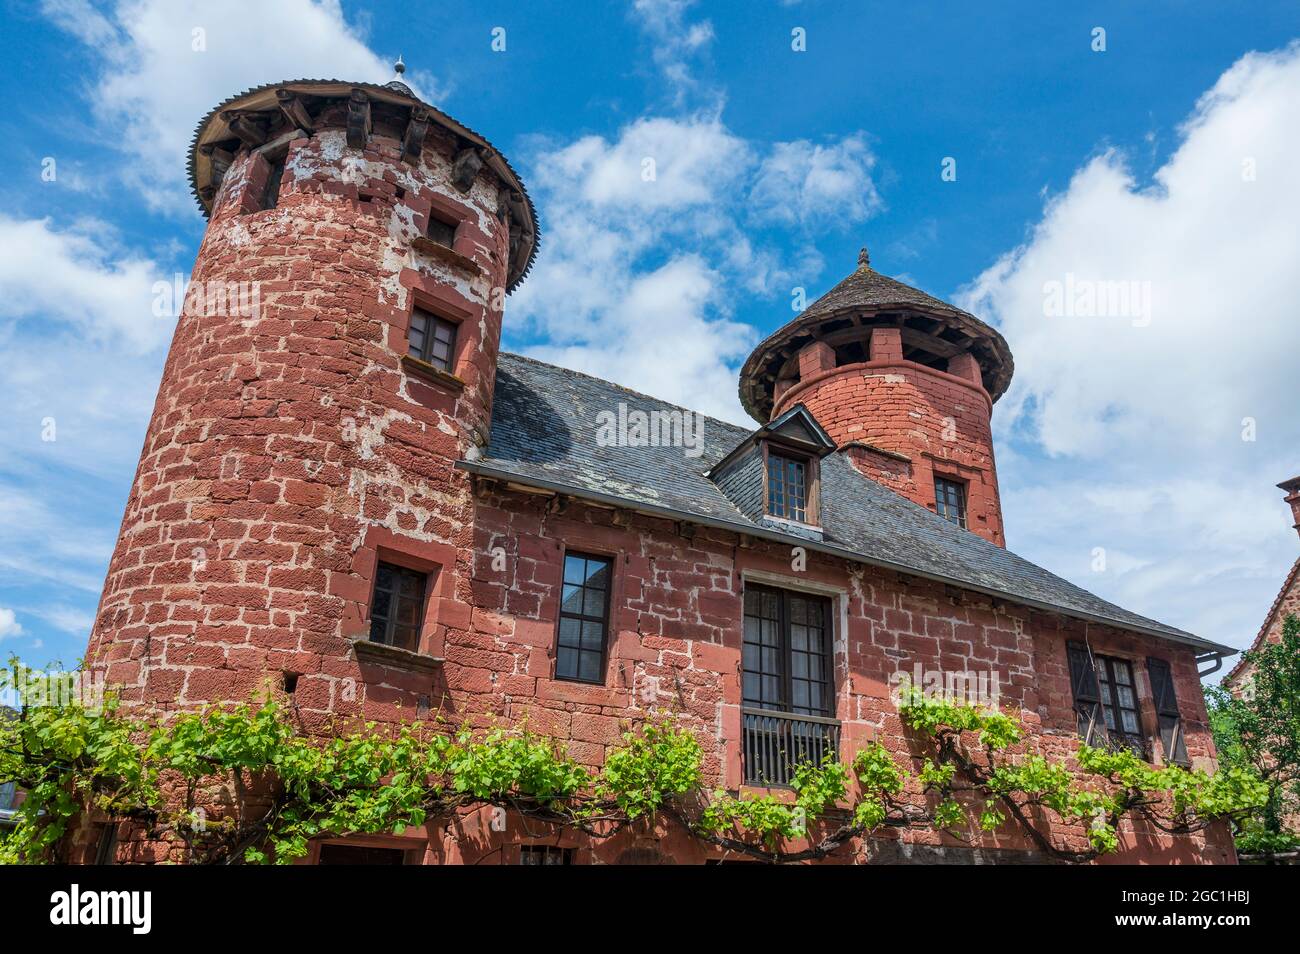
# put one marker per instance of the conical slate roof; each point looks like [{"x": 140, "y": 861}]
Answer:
[{"x": 865, "y": 299}]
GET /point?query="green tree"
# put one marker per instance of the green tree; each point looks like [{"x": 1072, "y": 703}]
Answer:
[{"x": 1258, "y": 729}]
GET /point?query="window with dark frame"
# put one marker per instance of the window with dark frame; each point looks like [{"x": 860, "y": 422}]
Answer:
[
  {"x": 950, "y": 500},
  {"x": 584, "y": 618},
  {"x": 397, "y": 606},
  {"x": 1105, "y": 700},
  {"x": 7, "y": 790},
  {"x": 431, "y": 339},
  {"x": 787, "y": 487},
  {"x": 441, "y": 231},
  {"x": 545, "y": 855},
  {"x": 786, "y": 655}
]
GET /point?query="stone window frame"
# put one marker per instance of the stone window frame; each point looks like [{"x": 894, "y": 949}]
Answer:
[
  {"x": 436, "y": 561},
  {"x": 419, "y": 300}
]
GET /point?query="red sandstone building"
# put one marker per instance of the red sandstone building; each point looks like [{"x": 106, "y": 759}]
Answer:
[
  {"x": 353, "y": 495},
  {"x": 1287, "y": 602}
]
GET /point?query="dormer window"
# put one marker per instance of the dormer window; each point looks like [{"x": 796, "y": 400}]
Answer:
[
  {"x": 950, "y": 500},
  {"x": 787, "y": 487}
]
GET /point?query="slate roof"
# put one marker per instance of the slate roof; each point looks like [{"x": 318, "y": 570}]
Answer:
[
  {"x": 864, "y": 294},
  {"x": 544, "y": 426}
]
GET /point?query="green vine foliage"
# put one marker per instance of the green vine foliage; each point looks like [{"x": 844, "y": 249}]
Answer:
[
  {"x": 244, "y": 784},
  {"x": 1257, "y": 731}
]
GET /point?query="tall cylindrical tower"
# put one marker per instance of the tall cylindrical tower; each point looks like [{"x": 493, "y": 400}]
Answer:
[
  {"x": 335, "y": 356},
  {"x": 904, "y": 384}
]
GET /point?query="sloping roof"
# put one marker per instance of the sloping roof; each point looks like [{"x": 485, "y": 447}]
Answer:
[
  {"x": 544, "y": 435},
  {"x": 1270, "y": 619},
  {"x": 214, "y": 128},
  {"x": 866, "y": 297}
]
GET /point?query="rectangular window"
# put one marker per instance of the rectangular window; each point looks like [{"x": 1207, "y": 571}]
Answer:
[
  {"x": 431, "y": 339},
  {"x": 271, "y": 197},
  {"x": 397, "y": 607},
  {"x": 106, "y": 850},
  {"x": 1167, "y": 714},
  {"x": 787, "y": 685},
  {"x": 6, "y": 796},
  {"x": 545, "y": 855},
  {"x": 787, "y": 488},
  {"x": 584, "y": 618},
  {"x": 1105, "y": 700},
  {"x": 441, "y": 231},
  {"x": 787, "y": 651},
  {"x": 950, "y": 500}
]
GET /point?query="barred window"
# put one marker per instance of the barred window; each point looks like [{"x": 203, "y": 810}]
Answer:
[
  {"x": 787, "y": 651},
  {"x": 584, "y": 618},
  {"x": 950, "y": 500},
  {"x": 431, "y": 339},
  {"x": 787, "y": 488},
  {"x": 441, "y": 231},
  {"x": 397, "y": 607}
]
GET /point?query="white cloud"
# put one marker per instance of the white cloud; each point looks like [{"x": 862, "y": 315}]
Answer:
[
  {"x": 1144, "y": 414},
  {"x": 153, "y": 85},
  {"x": 82, "y": 346},
  {"x": 638, "y": 271},
  {"x": 805, "y": 183},
  {"x": 675, "y": 43},
  {"x": 9, "y": 625}
]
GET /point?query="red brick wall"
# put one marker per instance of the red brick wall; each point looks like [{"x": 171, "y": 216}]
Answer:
[{"x": 281, "y": 441}]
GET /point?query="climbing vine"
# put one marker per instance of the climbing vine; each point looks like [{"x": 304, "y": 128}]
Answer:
[{"x": 246, "y": 784}]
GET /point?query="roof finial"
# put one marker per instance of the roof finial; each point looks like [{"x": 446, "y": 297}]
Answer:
[
  {"x": 864, "y": 260},
  {"x": 399, "y": 65}
]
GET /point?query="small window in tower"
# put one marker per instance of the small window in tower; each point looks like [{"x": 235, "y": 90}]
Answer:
[
  {"x": 441, "y": 231},
  {"x": 432, "y": 339},
  {"x": 271, "y": 197},
  {"x": 397, "y": 607},
  {"x": 950, "y": 500},
  {"x": 787, "y": 487}
]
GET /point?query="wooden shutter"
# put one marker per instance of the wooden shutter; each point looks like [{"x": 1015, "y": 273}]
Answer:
[
  {"x": 1087, "y": 698},
  {"x": 1171, "y": 723}
]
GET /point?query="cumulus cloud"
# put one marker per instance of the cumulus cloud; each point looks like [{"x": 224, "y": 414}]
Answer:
[
  {"x": 9, "y": 625},
  {"x": 649, "y": 241},
  {"x": 1167, "y": 419},
  {"x": 162, "y": 64}
]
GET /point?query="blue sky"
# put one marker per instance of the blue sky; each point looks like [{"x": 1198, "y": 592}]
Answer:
[{"x": 1125, "y": 459}]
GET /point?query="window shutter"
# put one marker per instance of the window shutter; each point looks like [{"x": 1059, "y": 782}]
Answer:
[
  {"x": 1087, "y": 698},
  {"x": 1171, "y": 723}
]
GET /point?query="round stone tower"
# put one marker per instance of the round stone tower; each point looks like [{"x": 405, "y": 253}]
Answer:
[
  {"x": 334, "y": 358},
  {"x": 902, "y": 382}
]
